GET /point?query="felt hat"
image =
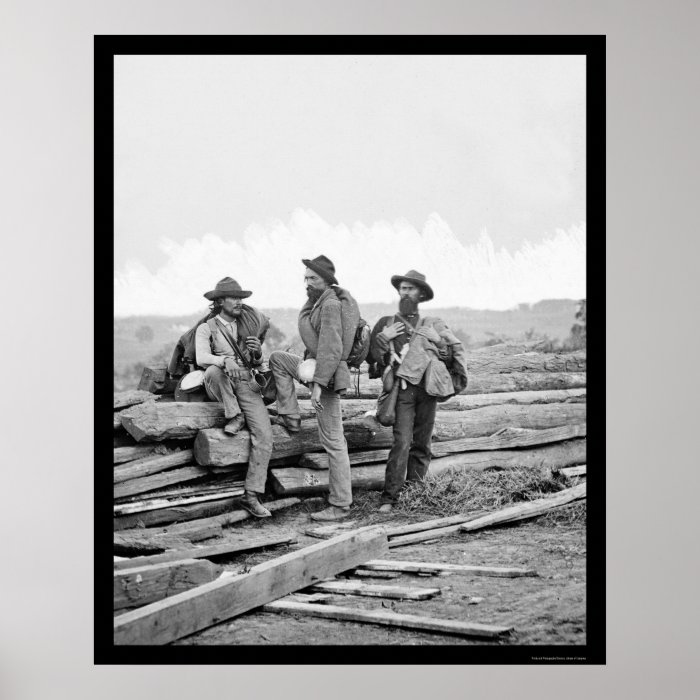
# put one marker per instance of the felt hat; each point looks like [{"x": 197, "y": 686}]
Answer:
[
  {"x": 322, "y": 266},
  {"x": 415, "y": 278},
  {"x": 227, "y": 287}
]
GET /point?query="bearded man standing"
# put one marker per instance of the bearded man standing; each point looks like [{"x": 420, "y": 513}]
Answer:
[
  {"x": 231, "y": 331},
  {"x": 428, "y": 361},
  {"x": 327, "y": 324}
]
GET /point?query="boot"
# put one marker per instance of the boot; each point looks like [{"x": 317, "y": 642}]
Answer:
[
  {"x": 235, "y": 424},
  {"x": 292, "y": 424},
  {"x": 251, "y": 503},
  {"x": 331, "y": 513}
]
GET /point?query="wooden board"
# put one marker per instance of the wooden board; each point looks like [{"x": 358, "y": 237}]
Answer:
[
  {"x": 524, "y": 381},
  {"x": 571, "y": 472},
  {"x": 388, "y": 619},
  {"x": 298, "y": 481},
  {"x": 158, "y": 481},
  {"x": 151, "y": 464},
  {"x": 191, "y": 611},
  {"x": 374, "y": 590},
  {"x": 319, "y": 460},
  {"x": 422, "y": 567},
  {"x": 139, "y": 542},
  {"x": 146, "y": 584},
  {"x": 128, "y": 454},
  {"x": 162, "y": 503},
  {"x": 176, "y": 420},
  {"x": 132, "y": 397},
  {"x": 227, "y": 548},
  {"x": 215, "y": 448},
  {"x": 531, "y": 509},
  {"x": 365, "y": 573},
  {"x": 214, "y": 486}
]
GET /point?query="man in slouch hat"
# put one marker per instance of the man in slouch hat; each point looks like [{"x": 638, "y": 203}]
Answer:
[
  {"x": 428, "y": 361},
  {"x": 231, "y": 331},
  {"x": 327, "y": 324}
]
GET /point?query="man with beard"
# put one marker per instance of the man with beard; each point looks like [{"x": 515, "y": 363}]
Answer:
[
  {"x": 226, "y": 379},
  {"x": 410, "y": 344},
  {"x": 327, "y": 324}
]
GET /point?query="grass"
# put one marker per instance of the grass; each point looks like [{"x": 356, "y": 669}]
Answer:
[{"x": 453, "y": 492}]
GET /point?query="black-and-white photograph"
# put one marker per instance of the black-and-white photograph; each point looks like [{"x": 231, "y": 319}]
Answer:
[{"x": 350, "y": 349}]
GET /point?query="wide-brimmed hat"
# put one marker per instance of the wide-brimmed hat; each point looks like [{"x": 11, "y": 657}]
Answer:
[
  {"x": 227, "y": 287},
  {"x": 322, "y": 266},
  {"x": 416, "y": 278}
]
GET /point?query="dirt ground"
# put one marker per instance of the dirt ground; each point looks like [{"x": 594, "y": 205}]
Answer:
[{"x": 547, "y": 609}]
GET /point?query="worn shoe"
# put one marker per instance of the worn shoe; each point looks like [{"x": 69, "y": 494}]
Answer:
[
  {"x": 386, "y": 508},
  {"x": 331, "y": 513},
  {"x": 235, "y": 424},
  {"x": 292, "y": 423},
  {"x": 251, "y": 503}
]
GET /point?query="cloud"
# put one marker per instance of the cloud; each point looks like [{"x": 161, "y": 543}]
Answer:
[{"x": 268, "y": 262}]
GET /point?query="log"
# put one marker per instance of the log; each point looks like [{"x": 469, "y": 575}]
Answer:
[
  {"x": 132, "y": 397},
  {"x": 214, "y": 448},
  {"x": 152, "y": 465},
  {"x": 216, "y": 550},
  {"x": 155, "y": 380},
  {"x": 500, "y": 363},
  {"x": 374, "y": 590},
  {"x": 141, "y": 542},
  {"x": 355, "y": 408},
  {"x": 319, "y": 460},
  {"x": 160, "y": 503},
  {"x": 186, "y": 613},
  {"x": 524, "y": 381},
  {"x": 158, "y": 481},
  {"x": 178, "y": 491},
  {"x": 150, "y": 422},
  {"x": 218, "y": 513},
  {"x": 415, "y": 567},
  {"x": 554, "y": 456},
  {"x": 571, "y": 472},
  {"x": 298, "y": 481},
  {"x": 118, "y": 422},
  {"x": 388, "y": 619},
  {"x": 147, "y": 584},
  {"x": 524, "y": 511},
  {"x": 127, "y": 454},
  {"x": 508, "y": 438}
]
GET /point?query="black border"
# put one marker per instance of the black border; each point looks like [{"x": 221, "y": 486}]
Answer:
[{"x": 593, "y": 47}]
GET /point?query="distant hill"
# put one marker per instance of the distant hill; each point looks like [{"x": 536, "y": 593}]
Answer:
[{"x": 139, "y": 339}]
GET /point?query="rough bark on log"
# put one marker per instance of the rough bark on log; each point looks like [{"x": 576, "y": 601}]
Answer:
[
  {"x": 158, "y": 481},
  {"x": 197, "y": 609},
  {"x": 483, "y": 363},
  {"x": 132, "y": 397},
  {"x": 554, "y": 456},
  {"x": 319, "y": 460},
  {"x": 388, "y": 619},
  {"x": 229, "y": 548},
  {"x": 129, "y": 454},
  {"x": 147, "y": 584},
  {"x": 215, "y": 448},
  {"x": 152, "y": 465},
  {"x": 298, "y": 481},
  {"x": 176, "y": 420},
  {"x": 524, "y": 381}
]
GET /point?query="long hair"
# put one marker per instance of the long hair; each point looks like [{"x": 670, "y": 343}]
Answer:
[{"x": 215, "y": 306}]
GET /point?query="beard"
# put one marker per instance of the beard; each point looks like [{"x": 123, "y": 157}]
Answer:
[
  {"x": 314, "y": 294},
  {"x": 408, "y": 307}
]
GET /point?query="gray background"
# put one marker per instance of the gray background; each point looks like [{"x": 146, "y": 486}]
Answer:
[{"x": 47, "y": 288}]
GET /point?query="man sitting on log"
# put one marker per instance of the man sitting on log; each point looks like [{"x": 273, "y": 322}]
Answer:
[
  {"x": 227, "y": 380},
  {"x": 428, "y": 361},
  {"x": 327, "y": 325}
]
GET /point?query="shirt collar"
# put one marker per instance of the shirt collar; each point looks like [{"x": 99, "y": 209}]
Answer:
[{"x": 226, "y": 323}]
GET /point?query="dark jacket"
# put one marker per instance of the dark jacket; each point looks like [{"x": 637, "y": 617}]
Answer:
[{"x": 327, "y": 328}]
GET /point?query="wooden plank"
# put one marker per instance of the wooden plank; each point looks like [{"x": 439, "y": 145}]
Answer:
[
  {"x": 227, "y": 548},
  {"x": 422, "y": 567},
  {"x": 218, "y": 485},
  {"x": 531, "y": 509},
  {"x": 388, "y": 619},
  {"x": 319, "y": 460},
  {"x": 224, "y": 512},
  {"x": 213, "y": 447},
  {"x": 374, "y": 590},
  {"x": 365, "y": 573},
  {"x": 132, "y": 397},
  {"x": 141, "y": 542},
  {"x": 128, "y": 454},
  {"x": 506, "y": 438},
  {"x": 152, "y": 465},
  {"x": 197, "y": 609},
  {"x": 147, "y": 584},
  {"x": 161, "y": 503},
  {"x": 157, "y": 481},
  {"x": 298, "y": 481},
  {"x": 570, "y": 472},
  {"x": 554, "y": 456},
  {"x": 425, "y": 536}
]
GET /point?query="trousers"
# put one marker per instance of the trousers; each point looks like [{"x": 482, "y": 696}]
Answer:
[
  {"x": 233, "y": 392},
  {"x": 409, "y": 457},
  {"x": 285, "y": 366}
]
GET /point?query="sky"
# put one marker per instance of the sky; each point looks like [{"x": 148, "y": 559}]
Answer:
[{"x": 470, "y": 169}]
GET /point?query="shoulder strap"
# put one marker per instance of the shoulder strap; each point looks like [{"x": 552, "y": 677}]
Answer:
[{"x": 234, "y": 345}]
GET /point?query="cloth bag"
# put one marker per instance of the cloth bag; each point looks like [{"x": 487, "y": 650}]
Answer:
[{"x": 386, "y": 403}]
